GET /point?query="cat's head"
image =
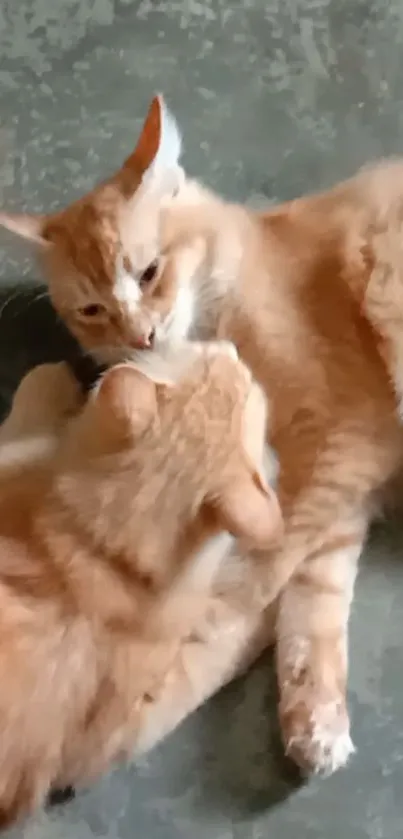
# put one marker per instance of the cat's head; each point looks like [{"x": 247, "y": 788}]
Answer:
[
  {"x": 168, "y": 452},
  {"x": 109, "y": 270}
]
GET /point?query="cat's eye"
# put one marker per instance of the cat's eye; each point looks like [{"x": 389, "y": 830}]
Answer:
[
  {"x": 91, "y": 310},
  {"x": 149, "y": 274}
]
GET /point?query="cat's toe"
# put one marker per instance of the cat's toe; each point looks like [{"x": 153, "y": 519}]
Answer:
[{"x": 318, "y": 738}]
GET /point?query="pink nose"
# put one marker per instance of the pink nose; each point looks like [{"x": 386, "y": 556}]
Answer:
[{"x": 145, "y": 341}]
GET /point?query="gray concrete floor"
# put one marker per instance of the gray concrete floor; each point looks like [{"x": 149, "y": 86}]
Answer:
[{"x": 275, "y": 97}]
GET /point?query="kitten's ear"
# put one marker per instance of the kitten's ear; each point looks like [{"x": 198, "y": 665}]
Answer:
[
  {"x": 249, "y": 509},
  {"x": 126, "y": 399},
  {"x": 160, "y": 143},
  {"x": 29, "y": 227}
]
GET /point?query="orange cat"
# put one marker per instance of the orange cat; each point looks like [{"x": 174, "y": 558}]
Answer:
[
  {"x": 310, "y": 293},
  {"x": 110, "y": 541}
]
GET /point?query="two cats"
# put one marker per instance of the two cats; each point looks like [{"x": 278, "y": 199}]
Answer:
[
  {"x": 310, "y": 294},
  {"x": 124, "y": 598}
]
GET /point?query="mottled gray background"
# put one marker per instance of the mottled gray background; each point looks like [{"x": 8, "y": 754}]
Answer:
[{"x": 275, "y": 97}]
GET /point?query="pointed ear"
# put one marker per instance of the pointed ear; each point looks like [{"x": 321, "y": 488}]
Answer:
[
  {"x": 27, "y": 226},
  {"x": 160, "y": 142},
  {"x": 249, "y": 509},
  {"x": 126, "y": 400}
]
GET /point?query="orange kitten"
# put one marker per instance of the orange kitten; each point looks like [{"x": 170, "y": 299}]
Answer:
[
  {"x": 232, "y": 631},
  {"x": 310, "y": 294},
  {"x": 109, "y": 545}
]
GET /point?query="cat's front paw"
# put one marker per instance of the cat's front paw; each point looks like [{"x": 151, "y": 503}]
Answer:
[
  {"x": 46, "y": 397},
  {"x": 316, "y": 736}
]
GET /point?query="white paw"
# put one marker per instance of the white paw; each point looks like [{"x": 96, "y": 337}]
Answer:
[{"x": 320, "y": 742}]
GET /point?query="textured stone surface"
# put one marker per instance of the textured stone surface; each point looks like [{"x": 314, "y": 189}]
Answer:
[{"x": 275, "y": 97}]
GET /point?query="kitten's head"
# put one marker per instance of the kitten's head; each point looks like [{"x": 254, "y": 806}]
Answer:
[
  {"x": 168, "y": 452},
  {"x": 108, "y": 271}
]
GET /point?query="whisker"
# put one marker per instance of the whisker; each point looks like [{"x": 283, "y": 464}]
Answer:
[
  {"x": 45, "y": 294},
  {"x": 21, "y": 292},
  {"x": 9, "y": 300}
]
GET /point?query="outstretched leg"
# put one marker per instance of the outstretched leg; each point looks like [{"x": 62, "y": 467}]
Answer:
[
  {"x": 312, "y": 655},
  {"x": 326, "y": 524}
]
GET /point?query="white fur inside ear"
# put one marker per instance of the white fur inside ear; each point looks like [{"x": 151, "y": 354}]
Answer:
[{"x": 170, "y": 147}]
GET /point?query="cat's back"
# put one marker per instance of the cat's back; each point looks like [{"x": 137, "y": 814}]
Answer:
[
  {"x": 318, "y": 250},
  {"x": 324, "y": 221},
  {"x": 303, "y": 329}
]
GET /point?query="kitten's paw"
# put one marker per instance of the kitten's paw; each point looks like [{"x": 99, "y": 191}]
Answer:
[
  {"x": 47, "y": 395},
  {"x": 317, "y": 737}
]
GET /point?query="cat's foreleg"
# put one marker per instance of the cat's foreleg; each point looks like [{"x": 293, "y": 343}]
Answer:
[
  {"x": 228, "y": 635},
  {"x": 312, "y": 654},
  {"x": 201, "y": 667},
  {"x": 46, "y": 398}
]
